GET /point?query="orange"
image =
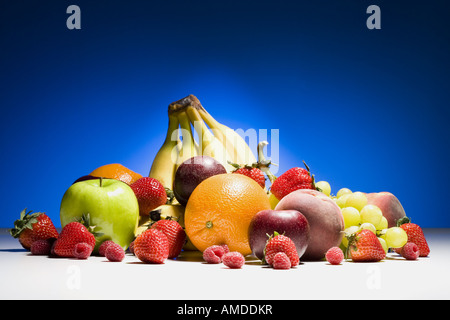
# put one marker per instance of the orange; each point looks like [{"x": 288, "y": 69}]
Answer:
[
  {"x": 116, "y": 171},
  {"x": 220, "y": 210}
]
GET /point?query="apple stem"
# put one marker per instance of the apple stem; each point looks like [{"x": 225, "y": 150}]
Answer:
[{"x": 101, "y": 182}]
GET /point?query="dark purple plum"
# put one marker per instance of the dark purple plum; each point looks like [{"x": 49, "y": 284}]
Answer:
[
  {"x": 291, "y": 223},
  {"x": 193, "y": 171}
]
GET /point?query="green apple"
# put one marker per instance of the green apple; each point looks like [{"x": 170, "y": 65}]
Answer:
[{"x": 111, "y": 204}]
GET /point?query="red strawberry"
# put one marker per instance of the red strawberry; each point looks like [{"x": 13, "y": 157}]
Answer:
[
  {"x": 150, "y": 194},
  {"x": 72, "y": 234},
  {"x": 233, "y": 260},
  {"x": 151, "y": 246},
  {"x": 175, "y": 235},
  {"x": 415, "y": 235},
  {"x": 32, "y": 227},
  {"x": 281, "y": 261},
  {"x": 280, "y": 243},
  {"x": 293, "y": 179},
  {"x": 253, "y": 172},
  {"x": 364, "y": 246}
]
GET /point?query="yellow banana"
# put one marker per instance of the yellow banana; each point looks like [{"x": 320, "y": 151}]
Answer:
[
  {"x": 188, "y": 147},
  {"x": 237, "y": 148},
  {"x": 209, "y": 144},
  {"x": 164, "y": 165}
]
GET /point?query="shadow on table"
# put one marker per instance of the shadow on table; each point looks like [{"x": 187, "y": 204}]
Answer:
[{"x": 13, "y": 250}]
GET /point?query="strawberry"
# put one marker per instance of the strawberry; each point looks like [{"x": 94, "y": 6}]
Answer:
[
  {"x": 253, "y": 172},
  {"x": 151, "y": 246},
  {"x": 233, "y": 260},
  {"x": 293, "y": 179},
  {"x": 73, "y": 233},
  {"x": 281, "y": 261},
  {"x": 175, "y": 235},
  {"x": 364, "y": 246},
  {"x": 33, "y": 226},
  {"x": 150, "y": 194},
  {"x": 280, "y": 243},
  {"x": 415, "y": 235}
]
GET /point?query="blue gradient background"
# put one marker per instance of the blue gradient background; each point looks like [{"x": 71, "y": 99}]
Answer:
[{"x": 366, "y": 109}]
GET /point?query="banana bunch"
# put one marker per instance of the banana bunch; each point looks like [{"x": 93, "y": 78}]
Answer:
[
  {"x": 192, "y": 131},
  {"x": 189, "y": 120}
]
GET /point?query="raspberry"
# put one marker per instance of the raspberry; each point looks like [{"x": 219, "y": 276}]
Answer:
[
  {"x": 281, "y": 261},
  {"x": 214, "y": 254},
  {"x": 41, "y": 247},
  {"x": 114, "y": 253},
  {"x": 131, "y": 247},
  {"x": 104, "y": 246},
  {"x": 233, "y": 260},
  {"x": 410, "y": 251},
  {"x": 225, "y": 247},
  {"x": 334, "y": 255},
  {"x": 82, "y": 250}
]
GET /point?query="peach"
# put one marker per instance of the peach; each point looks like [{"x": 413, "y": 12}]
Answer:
[
  {"x": 389, "y": 204},
  {"x": 324, "y": 217}
]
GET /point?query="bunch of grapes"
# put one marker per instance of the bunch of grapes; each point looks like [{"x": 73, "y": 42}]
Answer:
[{"x": 358, "y": 214}]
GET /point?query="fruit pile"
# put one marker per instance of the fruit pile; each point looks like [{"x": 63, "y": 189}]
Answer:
[{"x": 211, "y": 195}]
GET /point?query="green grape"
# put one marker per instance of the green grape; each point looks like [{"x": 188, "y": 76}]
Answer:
[
  {"x": 383, "y": 244},
  {"x": 343, "y": 191},
  {"x": 368, "y": 226},
  {"x": 396, "y": 237},
  {"x": 324, "y": 186},
  {"x": 351, "y": 217},
  {"x": 372, "y": 214},
  {"x": 383, "y": 224},
  {"x": 348, "y": 232},
  {"x": 356, "y": 200},
  {"x": 342, "y": 200}
]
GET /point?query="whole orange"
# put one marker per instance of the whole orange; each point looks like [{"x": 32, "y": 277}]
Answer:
[
  {"x": 220, "y": 210},
  {"x": 116, "y": 171}
]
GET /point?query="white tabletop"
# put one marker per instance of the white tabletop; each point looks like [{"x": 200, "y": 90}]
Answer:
[{"x": 24, "y": 276}]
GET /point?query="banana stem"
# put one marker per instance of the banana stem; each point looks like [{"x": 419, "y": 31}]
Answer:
[{"x": 263, "y": 162}]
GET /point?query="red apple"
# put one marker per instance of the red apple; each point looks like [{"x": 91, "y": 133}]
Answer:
[{"x": 291, "y": 223}]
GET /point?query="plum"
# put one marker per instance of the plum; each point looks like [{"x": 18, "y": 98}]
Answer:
[
  {"x": 324, "y": 217},
  {"x": 291, "y": 223},
  {"x": 193, "y": 171},
  {"x": 389, "y": 204}
]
